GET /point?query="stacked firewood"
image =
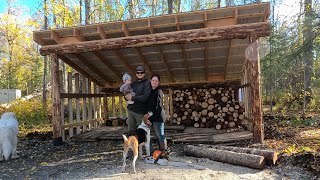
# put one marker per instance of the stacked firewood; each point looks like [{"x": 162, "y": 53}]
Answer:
[{"x": 210, "y": 107}]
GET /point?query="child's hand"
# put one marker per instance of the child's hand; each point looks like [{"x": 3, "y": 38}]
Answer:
[{"x": 128, "y": 97}]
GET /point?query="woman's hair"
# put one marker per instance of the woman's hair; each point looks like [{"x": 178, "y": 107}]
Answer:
[{"x": 155, "y": 75}]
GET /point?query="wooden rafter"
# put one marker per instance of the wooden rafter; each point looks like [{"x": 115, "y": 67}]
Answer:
[
  {"x": 78, "y": 35},
  {"x": 125, "y": 29},
  {"x": 177, "y": 22},
  {"x": 150, "y": 27},
  {"x": 102, "y": 34},
  {"x": 240, "y": 31},
  {"x": 228, "y": 59},
  {"x": 79, "y": 69},
  {"x": 185, "y": 61},
  {"x": 109, "y": 65},
  {"x": 124, "y": 61},
  {"x": 55, "y": 37},
  {"x": 205, "y": 19},
  {"x": 92, "y": 68},
  {"x": 163, "y": 59},
  {"x": 143, "y": 59}
]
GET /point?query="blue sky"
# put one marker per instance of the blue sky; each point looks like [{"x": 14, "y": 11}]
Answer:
[{"x": 29, "y": 5}]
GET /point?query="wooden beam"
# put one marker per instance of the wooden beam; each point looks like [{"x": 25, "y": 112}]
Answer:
[
  {"x": 235, "y": 15},
  {"x": 227, "y": 60},
  {"x": 240, "y": 31},
  {"x": 125, "y": 29},
  {"x": 145, "y": 62},
  {"x": 109, "y": 65},
  {"x": 185, "y": 60},
  {"x": 256, "y": 105},
  {"x": 102, "y": 34},
  {"x": 205, "y": 19},
  {"x": 56, "y": 101},
  {"x": 77, "y": 34},
  {"x": 39, "y": 40},
  {"x": 177, "y": 22},
  {"x": 150, "y": 26},
  {"x": 79, "y": 69},
  {"x": 79, "y": 95},
  {"x": 163, "y": 59},
  {"x": 92, "y": 68},
  {"x": 55, "y": 37},
  {"x": 124, "y": 61}
]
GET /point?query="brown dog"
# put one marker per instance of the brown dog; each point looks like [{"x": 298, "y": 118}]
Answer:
[{"x": 136, "y": 140}]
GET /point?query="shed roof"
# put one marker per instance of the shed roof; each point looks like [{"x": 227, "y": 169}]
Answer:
[{"x": 192, "y": 47}]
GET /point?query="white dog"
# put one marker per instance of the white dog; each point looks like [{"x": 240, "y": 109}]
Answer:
[{"x": 9, "y": 128}]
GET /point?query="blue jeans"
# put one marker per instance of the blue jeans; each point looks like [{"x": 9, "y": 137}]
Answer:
[{"x": 158, "y": 128}]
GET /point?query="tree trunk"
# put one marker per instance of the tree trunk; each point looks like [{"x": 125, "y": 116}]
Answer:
[
  {"x": 242, "y": 159},
  {"x": 170, "y": 6},
  {"x": 87, "y": 11},
  {"x": 270, "y": 156},
  {"x": 44, "y": 83},
  {"x": 308, "y": 43}
]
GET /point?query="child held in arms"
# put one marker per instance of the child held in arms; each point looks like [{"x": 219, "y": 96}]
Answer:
[{"x": 126, "y": 87}]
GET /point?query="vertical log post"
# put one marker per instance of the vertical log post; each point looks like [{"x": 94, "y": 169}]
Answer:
[
  {"x": 70, "y": 106},
  {"x": 77, "y": 86},
  {"x": 56, "y": 101},
  {"x": 105, "y": 107},
  {"x": 84, "y": 101},
  {"x": 90, "y": 105},
  {"x": 95, "y": 105},
  {"x": 121, "y": 106},
  {"x": 258, "y": 135},
  {"x": 62, "y": 90}
]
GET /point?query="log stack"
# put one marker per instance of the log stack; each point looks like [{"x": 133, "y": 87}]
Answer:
[{"x": 208, "y": 107}]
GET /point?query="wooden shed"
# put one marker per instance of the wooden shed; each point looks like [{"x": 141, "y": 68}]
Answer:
[{"x": 193, "y": 50}]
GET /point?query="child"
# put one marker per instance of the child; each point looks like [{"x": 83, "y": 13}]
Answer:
[{"x": 126, "y": 87}]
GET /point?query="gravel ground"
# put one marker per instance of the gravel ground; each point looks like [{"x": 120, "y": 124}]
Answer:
[{"x": 39, "y": 159}]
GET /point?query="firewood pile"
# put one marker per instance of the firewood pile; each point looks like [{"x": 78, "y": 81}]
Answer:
[{"x": 210, "y": 107}]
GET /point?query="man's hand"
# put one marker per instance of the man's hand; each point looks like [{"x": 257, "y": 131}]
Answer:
[
  {"x": 146, "y": 120},
  {"x": 128, "y": 97}
]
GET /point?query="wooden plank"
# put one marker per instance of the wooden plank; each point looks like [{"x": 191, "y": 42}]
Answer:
[
  {"x": 240, "y": 31},
  {"x": 234, "y": 136},
  {"x": 79, "y": 95},
  {"x": 77, "y": 90},
  {"x": 82, "y": 123},
  {"x": 56, "y": 100},
  {"x": 90, "y": 105},
  {"x": 62, "y": 103},
  {"x": 105, "y": 61},
  {"x": 95, "y": 106},
  {"x": 113, "y": 106},
  {"x": 120, "y": 106},
  {"x": 84, "y": 101},
  {"x": 70, "y": 106},
  {"x": 105, "y": 107}
]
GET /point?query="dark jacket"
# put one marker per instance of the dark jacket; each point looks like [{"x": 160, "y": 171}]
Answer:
[
  {"x": 154, "y": 106},
  {"x": 142, "y": 89}
]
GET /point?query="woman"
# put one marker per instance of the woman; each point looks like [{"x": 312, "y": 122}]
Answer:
[{"x": 154, "y": 105}]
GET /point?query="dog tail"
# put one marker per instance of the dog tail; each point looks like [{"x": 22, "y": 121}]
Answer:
[
  {"x": 6, "y": 149},
  {"x": 124, "y": 138}
]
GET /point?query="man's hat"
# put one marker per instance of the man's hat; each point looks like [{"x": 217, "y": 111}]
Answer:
[{"x": 140, "y": 68}]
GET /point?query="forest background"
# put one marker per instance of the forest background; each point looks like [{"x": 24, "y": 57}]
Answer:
[{"x": 290, "y": 65}]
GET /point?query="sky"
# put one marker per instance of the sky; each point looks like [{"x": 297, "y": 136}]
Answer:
[{"x": 29, "y": 5}]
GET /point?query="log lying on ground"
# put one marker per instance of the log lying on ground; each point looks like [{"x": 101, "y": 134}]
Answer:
[
  {"x": 242, "y": 159},
  {"x": 270, "y": 156}
]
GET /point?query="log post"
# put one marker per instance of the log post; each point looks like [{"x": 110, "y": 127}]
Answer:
[
  {"x": 105, "y": 107},
  {"x": 254, "y": 62},
  {"x": 56, "y": 101}
]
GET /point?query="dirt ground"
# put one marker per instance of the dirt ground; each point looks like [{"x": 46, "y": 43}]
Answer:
[{"x": 39, "y": 159}]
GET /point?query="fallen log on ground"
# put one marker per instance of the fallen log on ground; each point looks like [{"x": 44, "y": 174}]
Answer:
[
  {"x": 271, "y": 156},
  {"x": 242, "y": 159}
]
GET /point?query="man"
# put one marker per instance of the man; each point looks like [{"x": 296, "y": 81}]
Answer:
[{"x": 142, "y": 89}]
